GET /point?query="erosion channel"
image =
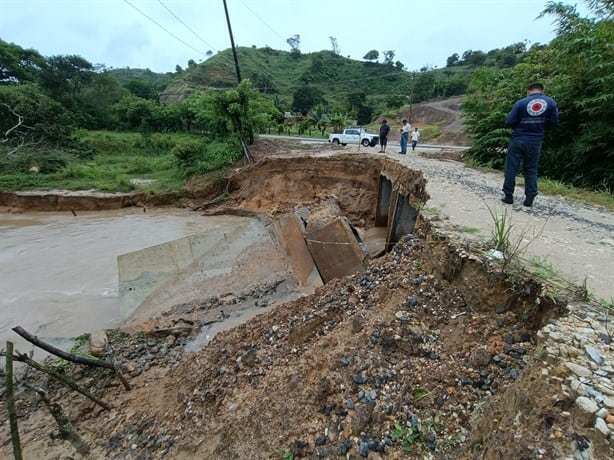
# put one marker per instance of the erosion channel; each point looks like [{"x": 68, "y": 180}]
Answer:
[{"x": 372, "y": 333}]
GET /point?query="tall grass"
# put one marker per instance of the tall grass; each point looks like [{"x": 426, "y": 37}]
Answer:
[{"x": 100, "y": 160}]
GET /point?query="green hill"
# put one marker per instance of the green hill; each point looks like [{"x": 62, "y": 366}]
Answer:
[
  {"x": 282, "y": 73},
  {"x": 159, "y": 81}
]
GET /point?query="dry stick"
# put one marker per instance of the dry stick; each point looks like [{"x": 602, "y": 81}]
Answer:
[
  {"x": 67, "y": 431},
  {"x": 10, "y": 402},
  {"x": 62, "y": 354},
  {"x": 70, "y": 357},
  {"x": 120, "y": 376},
  {"x": 65, "y": 380}
]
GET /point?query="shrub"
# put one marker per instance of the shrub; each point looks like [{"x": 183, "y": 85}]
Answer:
[
  {"x": 22, "y": 161},
  {"x": 188, "y": 152}
]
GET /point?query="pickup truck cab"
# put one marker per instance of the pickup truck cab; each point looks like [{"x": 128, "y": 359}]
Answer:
[{"x": 354, "y": 136}]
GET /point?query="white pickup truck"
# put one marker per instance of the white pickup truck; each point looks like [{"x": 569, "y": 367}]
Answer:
[{"x": 354, "y": 136}]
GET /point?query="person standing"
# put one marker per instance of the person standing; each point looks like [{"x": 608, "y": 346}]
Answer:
[
  {"x": 384, "y": 129},
  {"x": 528, "y": 119},
  {"x": 404, "y": 136},
  {"x": 415, "y": 137}
]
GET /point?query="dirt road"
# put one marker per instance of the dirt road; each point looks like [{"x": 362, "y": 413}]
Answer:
[{"x": 573, "y": 240}]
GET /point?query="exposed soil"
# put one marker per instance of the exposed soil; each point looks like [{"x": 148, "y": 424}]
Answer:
[{"x": 428, "y": 353}]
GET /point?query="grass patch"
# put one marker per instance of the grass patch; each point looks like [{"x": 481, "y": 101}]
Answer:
[
  {"x": 99, "y": 160},
  {"x": 542, "y": 267},
  {"x": 603, "y": 198},
  {"x": 471, "y": 230}
]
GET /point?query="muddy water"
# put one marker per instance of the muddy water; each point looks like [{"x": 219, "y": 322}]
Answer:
[{"x": 58, "y": 272}]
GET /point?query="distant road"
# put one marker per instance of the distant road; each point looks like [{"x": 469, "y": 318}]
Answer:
[{"x": 310, "y": 140}]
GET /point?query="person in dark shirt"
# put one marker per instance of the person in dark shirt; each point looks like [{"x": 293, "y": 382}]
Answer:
[
  {"x": 384, "y": 129},
  {"x": 528, "y": 119}
]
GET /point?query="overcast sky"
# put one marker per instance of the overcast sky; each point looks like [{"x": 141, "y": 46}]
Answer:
[{"x": 159, "y": 34}]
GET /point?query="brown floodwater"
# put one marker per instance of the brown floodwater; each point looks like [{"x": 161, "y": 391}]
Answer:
[{"x": 58, "y": 272}]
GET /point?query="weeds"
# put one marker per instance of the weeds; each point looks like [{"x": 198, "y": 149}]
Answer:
[
  {"x": 471, "y": 230},
  {"x": 542, "y": 267},
  {"x": 502, "y": 227},
  {"x": 415, "y": 434}
]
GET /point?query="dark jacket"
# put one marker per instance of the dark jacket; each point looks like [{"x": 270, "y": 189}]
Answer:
[
  {"x": 384, "y": 130},
  {"x": 530, "y": 116}
]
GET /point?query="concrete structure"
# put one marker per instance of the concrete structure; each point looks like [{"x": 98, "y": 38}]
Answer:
[
  {"x": 335, "y": 250},
  {"x": 394, "y": 211},
  {"x": 227, "y": 259},
  {"x": 291, "y": 230}
]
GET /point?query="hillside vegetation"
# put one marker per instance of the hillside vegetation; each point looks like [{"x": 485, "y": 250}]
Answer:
[{"x": 44, "y": 100}]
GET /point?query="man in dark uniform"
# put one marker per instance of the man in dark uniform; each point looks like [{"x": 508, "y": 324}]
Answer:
[
  {"x": 528, "y": 118},
  {"x": 384, "y": 129}
]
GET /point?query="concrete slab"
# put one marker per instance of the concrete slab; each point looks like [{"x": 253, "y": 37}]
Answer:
[
  {"x": 226, "y": 259},
  {"x": 291, "y": 231},
  {"x": 374, "y": 240},
  {"x": 335, "y": 250},
  {"x": 402, "y": 218}
]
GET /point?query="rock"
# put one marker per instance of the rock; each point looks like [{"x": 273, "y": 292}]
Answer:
[
  {"x": 601, "y": 426},
  {"x": 98, "y": 343},
  {"x": 580, "y": 371},
  {"x": 594, "y": 354},
  {"x": 586, "y": 409}
]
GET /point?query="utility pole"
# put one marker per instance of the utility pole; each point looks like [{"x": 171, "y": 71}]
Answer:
[
  {"x": 246, "y": 152},
  {"x": 232, "y": 44}
]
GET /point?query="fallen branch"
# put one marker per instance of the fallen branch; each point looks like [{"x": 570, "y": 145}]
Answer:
[
  {"x": 66, "y": 430},
  {"x": 60, "y": 353},
  {"x": 10, "y": 402},
  {"x": 62, "y": 378}
]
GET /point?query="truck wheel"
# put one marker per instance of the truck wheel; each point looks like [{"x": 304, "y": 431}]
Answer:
[
  {"x": 336, "y": 141},
  {"x": 365, "y": 142},
  {"x": 344, "y": 144}
]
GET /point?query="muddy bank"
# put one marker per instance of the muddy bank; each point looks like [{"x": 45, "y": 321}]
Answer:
[{"x": 64, "y": 200}]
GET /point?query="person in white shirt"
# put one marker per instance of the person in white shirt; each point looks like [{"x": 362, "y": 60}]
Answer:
[
  {"x": 415, "y": 137},
  {"x": 404, "y": 137}
]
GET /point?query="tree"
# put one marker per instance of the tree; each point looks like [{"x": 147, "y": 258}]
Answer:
[
  {"x": 388, "y": 57},
  {"x": 319, "y": 118},
  {"x": 238, "y": 112},
  {"x": 577, "y": 68},
  {"x": 140, "y": 88},
  {"x": 96, "y": 100},
  {"x": 294, "y": 42},
  {"x": 135, "y": 113},
  {"x": 333, "y": 42},
  {"x": 339, "y": 120},
  {"x": 305, "y": 98},
  {"x": 372, "y": 55},
  {"x": 423, "y": 86},
  {"x": 43, "y": 120},
  {"x": 19, "y": 65},
  {"x": 65, "y": 76},
  {"x": 452, "y": 60}
]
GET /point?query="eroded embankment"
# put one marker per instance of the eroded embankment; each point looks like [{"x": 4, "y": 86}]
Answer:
[
  {"x": 428, "y": 352},
  {"x": 396, "y": 358}
]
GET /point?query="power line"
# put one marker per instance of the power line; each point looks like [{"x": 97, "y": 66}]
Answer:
[
  {"x": 165, "y": 29},
  {"x": 186, "y": 26},
  {"x": 262, "y": 21}
]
